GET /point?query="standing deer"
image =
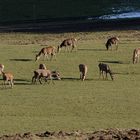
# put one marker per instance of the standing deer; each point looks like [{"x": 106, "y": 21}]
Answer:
[
  {"x": 83, "y": 71},
  {"x": 46, "y": 74},
  {"x": 46, "y": 52},
  {"x": 70, "y": 42},
  {"x": 104, "y": 68},
  {"x": 8, "y": 78},
  {"x": 136, "y": 55},
  {"x": 111, "y": 41}
]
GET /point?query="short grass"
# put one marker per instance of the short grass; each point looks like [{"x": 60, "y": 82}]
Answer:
[{"x": 70, "y": 104}]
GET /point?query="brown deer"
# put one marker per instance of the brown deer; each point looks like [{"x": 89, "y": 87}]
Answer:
[
  {"x": 136, "y": 55},
  {"x": 67, "y": 43},
  {"x": 8, "y": 78},
  {"x": 46, "y": 52},
  {"x": 111, "y": 41},
  {"x": 83, "y": 71},
  {"x": 104, "y": 68},
  {"x": 46, "y": 74},
  {"x": 1, "y": 68}
]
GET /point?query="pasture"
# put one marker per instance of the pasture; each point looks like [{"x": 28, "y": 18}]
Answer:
[{"x": 70, "y": 104}]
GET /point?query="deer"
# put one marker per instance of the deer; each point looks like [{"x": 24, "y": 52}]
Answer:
[
  {"x": 70, "y": 42},
  {"x": 8, "y": 78},
  {"x": 46, "y": 74},
  {"x": 104, "y": 68},
  {"x": 83, "y": 71},
  {"x": 136, "y": 55},
  {"x": 111, "y": 41},
  {"x": 46, "y": 52}
]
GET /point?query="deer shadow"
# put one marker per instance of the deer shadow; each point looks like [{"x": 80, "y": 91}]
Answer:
[
  {"x": 21, "y": 59},
  {"x": 91, "y": 49},
  {"x": 114, "y": 62},
  {"x": 75, "y": 79},
  {"x": 126, "y": 73},
  {"x": 22, "y": 82}
]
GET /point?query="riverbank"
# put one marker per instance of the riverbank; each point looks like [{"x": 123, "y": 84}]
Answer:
[{"x": 71, "y": 25}]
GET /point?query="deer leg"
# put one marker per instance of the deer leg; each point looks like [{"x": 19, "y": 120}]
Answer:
[
  {"x": 44, "y": 57},
  {"x": 33, "y": 79},
  {"x": 83, "y": 77},
  {"x": 47, "y": 56},
  {"x": 65, "y": 48},
  {"x": 102, "y": 74},
  {"x": 52, "y": 79},
  {"x": 137, "y": 59},
  {"x": 116, "y": 46},
  {"x": 111, "y": 47},
  {"x": 80, "y": 75},
  {"x": 52, "y": 56},
  {"x": 11, "y": 83},
  {"x": 4, "y": 83},
  {"x": 39, "y": 78},
  {"x": 106, "y": 76},
  {"x": 72, "y": 48}
]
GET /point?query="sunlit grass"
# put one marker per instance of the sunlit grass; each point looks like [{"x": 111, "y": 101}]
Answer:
[{"x": 70, "y": 104}]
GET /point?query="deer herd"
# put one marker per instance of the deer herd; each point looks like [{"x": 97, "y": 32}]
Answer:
[{"x": 42, "y": 73}]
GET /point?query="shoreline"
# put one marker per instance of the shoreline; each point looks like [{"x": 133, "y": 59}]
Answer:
[{"x": 71, "y": 26}]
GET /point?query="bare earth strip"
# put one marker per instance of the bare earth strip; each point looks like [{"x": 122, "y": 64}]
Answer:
[{"x": 111, "y": 134}]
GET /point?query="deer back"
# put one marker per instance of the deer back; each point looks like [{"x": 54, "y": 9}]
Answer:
[{"x": 7, "y": 76}]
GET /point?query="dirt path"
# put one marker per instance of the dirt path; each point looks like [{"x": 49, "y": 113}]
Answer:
[{"x": 112, "y": 134}]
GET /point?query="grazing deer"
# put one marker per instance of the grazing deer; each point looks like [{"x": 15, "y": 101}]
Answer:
[
  {"x": 104, "y": 68},
  {"x": 46, "y": 52},
  {"x": 70, "y": 42},
  {"x": 111, "y": 41},
  {"x": 8, "y": 78},
  {"x": 136, "y": 55},
  {"x": 83, "y": 71},
  {"x": 46, "y": 74},
  {"x": 1, "y": 68}
]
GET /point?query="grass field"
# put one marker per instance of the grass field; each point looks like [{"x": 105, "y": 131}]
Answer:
[{"x": 70, "y": 104}]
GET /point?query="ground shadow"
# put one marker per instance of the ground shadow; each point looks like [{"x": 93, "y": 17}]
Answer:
[
  {"x": 22, "y": 82},
  {"x": 69, "y": 79},
  {"x": 126, "y": 73},
  {"x": 91, "y": 49},
  {"x": 21, "y": 59},
  {"x": 114, "y": 62},
  {"x": 75, "y": 79}
]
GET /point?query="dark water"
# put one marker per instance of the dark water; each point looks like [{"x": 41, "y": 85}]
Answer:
[{"x": 122, "y": 9}]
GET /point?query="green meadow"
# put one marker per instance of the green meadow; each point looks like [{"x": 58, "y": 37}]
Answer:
[{"x": 70, "y": 104}]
